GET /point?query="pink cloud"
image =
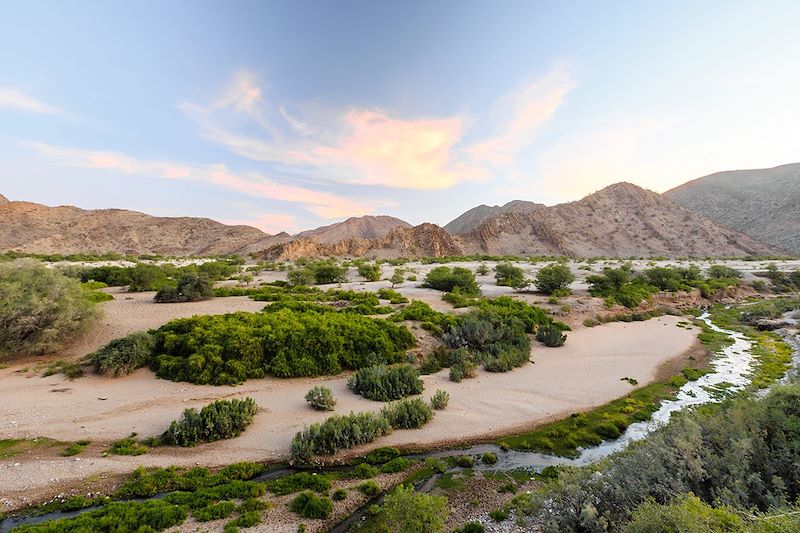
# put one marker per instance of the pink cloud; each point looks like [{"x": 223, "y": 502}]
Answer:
[{"x": 268, "y": 223}]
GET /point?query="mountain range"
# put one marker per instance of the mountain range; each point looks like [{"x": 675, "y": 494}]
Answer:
[{"x": 726, "y": 214}]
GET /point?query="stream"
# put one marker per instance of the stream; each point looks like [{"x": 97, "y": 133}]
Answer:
[{"x": 731, "y": 371}]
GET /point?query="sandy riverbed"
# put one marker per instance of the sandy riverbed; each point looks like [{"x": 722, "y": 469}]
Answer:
[{"x": 584, "y": 373}]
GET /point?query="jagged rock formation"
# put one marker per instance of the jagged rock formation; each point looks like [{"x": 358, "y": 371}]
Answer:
[
  {"x": 36, "y": 228},
  {"x": 764, "y": 204},
  {"x": 472, "y": 219},
  {"x": 423, "y": 240},
  {"x": 366, "y": 227},
  {"x": 620, "y": 220}
]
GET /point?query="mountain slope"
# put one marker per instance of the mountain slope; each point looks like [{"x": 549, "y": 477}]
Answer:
[
  {"x": 620, "y": 220},
  {"x": 36, "y": 228},
  {"x": 472, "y": 219},
  {"x": 764, "y": 204},
  {"x": 3, "y": 200},
  {"x": 423, "y": 240},
  {"x": 366, "y": 227}
]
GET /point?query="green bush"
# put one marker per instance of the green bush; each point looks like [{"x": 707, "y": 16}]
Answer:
[
  {"x": 299, "y": 481},
  {"x": 369, "y": 488},
  {"x": 369, "y": 271},
  {"x": 555, "y": 277},
  {"x": 380, "y": 456},
  {"x": 408, "y": 414},
  {"x": 621, "y": 285},
  {"x": 508, "y": 275},
  {"x": 495, "y": 338},
  {"x": 365, "y": 471},
  {"x": 386, "y": 383},
  {"x": 222, "y": 419},
  {"x": 300, "y": 277},
  {"x": 393, "y": 296},
  {"x": 489, "y": 458},
  {"x": 229, "y": 349},
  {"x": 123, "y": 356},
  {"x": 152, "y": 515},
  {"x": 190, "y": 288},
  {"x": 214, "y": 511},
  {"x": 445, "y": 279},
  {"x": 465, "y": 461},
  {"x": 339, "y": 495},
  {"x": 321, "y": 399},
  {"x": 41, "y": 310},
  {"x": 406, "y": 511},
  {"x": 551, "y": 336},
  {"x": 398, "y": 464},
  {"x": 337, "y": 433},
  {"x": 309, "y": 505},
  {"x": 723, "y": 272},
  {"x": 440, "y": 399},
  {"x": 471, "y": 527}
]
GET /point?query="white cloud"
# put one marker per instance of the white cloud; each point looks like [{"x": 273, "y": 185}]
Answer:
[{"x": 17, "y": 100}]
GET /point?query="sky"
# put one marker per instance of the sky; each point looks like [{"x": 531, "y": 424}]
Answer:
[{"x": 287, "y": 115}]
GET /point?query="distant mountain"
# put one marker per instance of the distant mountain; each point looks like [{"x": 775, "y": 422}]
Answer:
[
  {"x": 620, "y": 220},
  {"x": 36, "y": 228},
  {"x": 3, "y": 200},
  {"x": 423, "y": 240},
  {"x": 472, "y": 219},
  {"x": 764, "y": 204},
  {"x": 366, "y": 227}
]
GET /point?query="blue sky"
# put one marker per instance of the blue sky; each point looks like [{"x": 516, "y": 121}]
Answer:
[{"x": 289, "y": 115}]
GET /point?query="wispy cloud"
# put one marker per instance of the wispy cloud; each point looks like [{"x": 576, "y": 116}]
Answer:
[
  {"x": 323, "y": 204},
  {"x": 377, "y": 147},
  {"x": 269, "y": 223},
  {"x": 11, "y": 98}
]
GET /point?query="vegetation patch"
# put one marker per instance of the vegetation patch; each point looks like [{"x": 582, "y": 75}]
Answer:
[
  {"x": 299, "y": 482},
  {"x": 321, "y": 399},
  {"x": 309, "y": 505},
  {"x": 385, "y": 383},
  {"x": 222, "y": 419},
  {"x": 123, "y": 356}
]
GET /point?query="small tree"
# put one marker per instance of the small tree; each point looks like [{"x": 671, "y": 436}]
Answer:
[
  {"x": 508, "y": 275},
  {"x": 369, "y": 271},
  {"x": 300, "y": 276},
  {"x": 406, "y": 511},
  {"x": 397, "y": 278},
  {"x": 190, "y": 288},
  {"x": 482, "y": 269},
  {"x": 556, "y": 277},
  {"x": 321, "y": 399}
]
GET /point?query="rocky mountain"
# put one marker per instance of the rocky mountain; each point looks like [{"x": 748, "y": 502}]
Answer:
[
  {"x": 423, "y": 240},
  {"x": 36, "y": 228},
  {"x": 3, "y": 200},
  {"x": 620, "y": 220},
  {"x": 764, "y": 203},
  {"x": 366, "y": 227},
  {"x": 472, "y": 219}
]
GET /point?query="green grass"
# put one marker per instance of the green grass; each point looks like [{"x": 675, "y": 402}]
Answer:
[
  {"x": 75, "y": 448},
  {"x": 773, "y": 358},
  {"x": 12, "y": 447},
  {"x": 127, "y": 446},
  {"x": 70, "y": 369}
]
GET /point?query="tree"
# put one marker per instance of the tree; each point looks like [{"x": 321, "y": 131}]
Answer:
[
  {"x": 369, "y": 271},
  {"x": 445, "y": 279},
  {"x": 397, "y": 278},
  {"x": 508, "y": 275},
  {"x": 555, "y": 277},
  {"x": 300, "y": 276},
  {"x": 190, "y": 288},
  {"x": 40, "y": 309},
  {"x": 406, "y": 511},
  {"x": 329, "y": 272}
]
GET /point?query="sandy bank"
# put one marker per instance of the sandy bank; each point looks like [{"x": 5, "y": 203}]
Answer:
[{"x": 586, "y": 372}]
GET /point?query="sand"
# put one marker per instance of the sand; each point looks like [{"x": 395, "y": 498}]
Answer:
[{"x": 584, "y": 373}]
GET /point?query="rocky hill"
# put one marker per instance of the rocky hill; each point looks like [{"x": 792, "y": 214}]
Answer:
[
  {"x": 366, "y": 227},
  {"x": 3, "y": 200},
  {"x": 764, "y": 204},
  {"x": 620, "y": 220},
  {"x": 36, "y": 228},
  {"x": 423, "y": 240},
  {"x": 472, "y": 219}
]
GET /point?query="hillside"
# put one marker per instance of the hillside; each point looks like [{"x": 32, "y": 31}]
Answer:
[
  {"x": 366, "y": 227},
  {"x": 620, "y": 220},
  {"x": 423, "y": 240},
  {"x": 764, "y": 204},
  {"x": 472, "y": 219},
  {"x": 3, "y": 200},
  {"x": 36, "y": 228}
]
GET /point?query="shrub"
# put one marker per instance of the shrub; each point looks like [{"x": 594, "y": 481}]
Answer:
[
  {"x": 482, "y": 269},
  {"x": 499, "y": 515},
  {"x": 222, "y": 419},
  {"x": 620, "y": 285},
  {"x": 327, "y": 272},
  {"x": 365, "y": 471},
  {"x": 41, "y": 310},
  {"x": 445, "y": 279},
  {"x": 309, "y": 505},
  {"x": 337, "y": 433},
  {"x": 214, "y": 511},
  {"x": 123, "y": 356},
  {"x": 408, "y": 414},
  {"x": 127, "y": 446},
  {"x": 393, "y": 296},
  {"x": 398, "y": 464},
  {"x": 489, "y": 458},
  {"x": 369, "y": 271},
  {"x": 190, "y": 288},
  {"x": 339, "y": 495},
  {"x": 153, "y": 515},
  {"x": 723, "y": 272},
  {"x": 386, "y": 383},
  {"x": 228, "y": 349},
  {"x": 497, "y": 339},
  {"x": 406, "y": 511},
  {"x": 508, "y": 275},
  {"x": 397, "y": 278},
  {"x": 299, "y": 481},
  {"x": 555, "y": 277},
  {"x": 440, "y": 399},
  {"x": 462, "y": 370},
  {"x": 369, "y": 488},
  {"x": 300, "y": 277},
  {"x": 382, "y": 455},
  {"x": 465, "y": 461},
  {"x": 321, "y": 399},
  {"x": 471, "y": 527},
  {"x": 551, "y": 336}
]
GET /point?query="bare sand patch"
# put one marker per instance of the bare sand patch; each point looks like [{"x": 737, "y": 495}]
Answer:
[{"x": 584, "y": 373}]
